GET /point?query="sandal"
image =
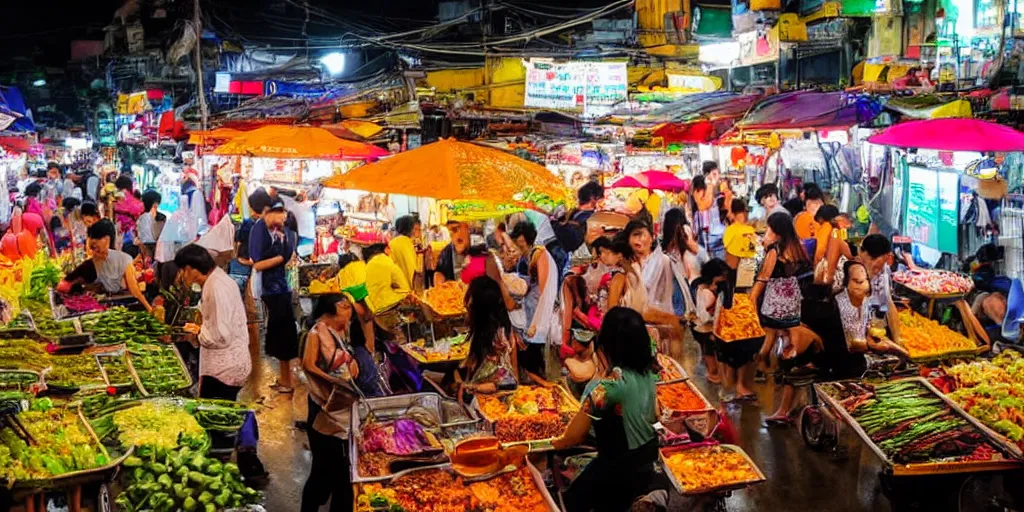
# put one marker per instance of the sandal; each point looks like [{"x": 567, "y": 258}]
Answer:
[
  {"x": 779, "y": 421},
  {"x": 284, "y": 390}
]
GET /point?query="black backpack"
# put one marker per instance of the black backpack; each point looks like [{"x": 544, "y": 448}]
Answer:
[{"x": 571, "y": 231}]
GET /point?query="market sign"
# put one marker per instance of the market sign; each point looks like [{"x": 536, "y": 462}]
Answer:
[
  {"x": 932, "y": 208},
  {"x": 588, "y": 87}
]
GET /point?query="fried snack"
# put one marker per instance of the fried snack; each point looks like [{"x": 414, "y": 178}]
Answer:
[
  {"x": 439, "y": 491},
  {"x": 529, "y": 428},
  {"x": 447, "y": 298},
  {"x": 710, "y": 467},
  {"x": 927, "y": 338},
  {"x": 679, "y": 397},
  {"x": 740, "y": 322},
  {"x": 375, "y": 464},
  {"x": 511, "y": 492},
  {"x": 668, "y": 370}
]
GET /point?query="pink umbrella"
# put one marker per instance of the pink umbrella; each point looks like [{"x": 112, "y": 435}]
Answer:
[
  {"x": 951, "y": 135},
  {"x": 651, "y": 180}
]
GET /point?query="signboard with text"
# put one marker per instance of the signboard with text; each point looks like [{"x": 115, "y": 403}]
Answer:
[
  {"x": 932, "y": 208},
  {"x": 588, "y": 87}
]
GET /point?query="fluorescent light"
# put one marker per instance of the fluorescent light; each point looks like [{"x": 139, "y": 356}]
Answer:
[
  {"x": 39, "y": 83},
  {"x": 334, "y": 62}
]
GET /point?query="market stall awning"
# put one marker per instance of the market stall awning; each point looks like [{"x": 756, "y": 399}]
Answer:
[
  {"x": 929, "y": 107},
  {"x": 651, "y": 180},
  {"x": 686, "y": 133},
  {"x": 809, "y": 109},
  {"x": 951, "y": 135},
  {"x": 211, "y": 136},
  {"x": 449, "y": 169},
  {"x": 280, "y": 141}
]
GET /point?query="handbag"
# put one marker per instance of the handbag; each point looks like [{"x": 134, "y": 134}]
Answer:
[{"x": 782, "y": 299}]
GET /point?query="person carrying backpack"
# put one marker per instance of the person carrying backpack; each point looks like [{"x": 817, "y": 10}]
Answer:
[{"x": 571, "y": 230}]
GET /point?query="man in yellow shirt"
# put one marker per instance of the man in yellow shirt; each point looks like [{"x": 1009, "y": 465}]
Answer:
[
  {"x": 385, "y": 282},
  {"x": 739, "y": 238},
  {"x": 403, "y": 246}
]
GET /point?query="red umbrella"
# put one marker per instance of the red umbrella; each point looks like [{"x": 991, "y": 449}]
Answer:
[
  {"x": 651, "y": 180},
  {"x": 951, "y": 135}
]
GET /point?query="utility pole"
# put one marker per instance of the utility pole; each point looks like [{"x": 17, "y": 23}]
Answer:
[{"x": 197, "y": 25}]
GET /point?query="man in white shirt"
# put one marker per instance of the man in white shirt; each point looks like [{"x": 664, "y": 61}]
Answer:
[{"x": 224, "y": 360}]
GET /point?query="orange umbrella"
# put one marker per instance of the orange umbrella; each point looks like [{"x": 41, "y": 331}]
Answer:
[
  {"x": 218, "y": 134},
  {"x": 449, "y": 169},
  {"x": 281, "y": 141}
]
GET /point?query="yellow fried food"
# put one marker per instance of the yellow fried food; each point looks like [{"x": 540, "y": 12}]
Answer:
[
  {"x": 927, "y": 338},
  {"x": 709, "y": 467}
]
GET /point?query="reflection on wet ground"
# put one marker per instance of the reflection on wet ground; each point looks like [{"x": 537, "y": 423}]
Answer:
[{"x": 799, "y": 479}]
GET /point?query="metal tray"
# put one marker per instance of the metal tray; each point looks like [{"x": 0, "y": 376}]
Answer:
[
  {"x": 78, "y": 477},
  {"x": 923, "y": 468},
  {"x": 21, "y": 332},
  {"x": 394, "y": 407},
  {"x": 662, "y": 453},
  {"x": 704, "y": 421},
  {"x": 416, "y": 356},
  {"x": 181, "y": 365},
  {"x": 535, "y": 445},
  {"x": 666, "y": 360},
  {"x": 538, "y": 482},
  {"x": 116, "y": 353}
]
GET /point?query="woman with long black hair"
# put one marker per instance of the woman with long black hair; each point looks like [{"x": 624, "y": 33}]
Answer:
[
  {"x": 491, "y": 364},
  {"x": 685, "y": 258}
]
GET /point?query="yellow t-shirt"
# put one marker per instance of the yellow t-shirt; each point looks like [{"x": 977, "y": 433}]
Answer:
[
  {"x": 739, "y": 240},
  {"x": 403, "y": 253},
  {"x": 385, "y": 283}
]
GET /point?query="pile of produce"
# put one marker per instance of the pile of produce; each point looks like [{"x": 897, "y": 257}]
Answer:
[
  {"x": 399, "y": 437},
  {"x": 739, "y": 322},
  {"x": 993, "y": 392},
  {"x": 527, "y": 414},
  {"x": 680, "y": 397},
  {"x": 710, "y": 467},
  {"x": 22, "y": 322},
  {"x": 219, "y": 415},
  {"x": 158, "y": 367},
  {"x": 668, "y": 370},
  {"x": 924, "y": 338},
  {"x": 43, "y": 278},
  {"x": 934, "y": 282},
  {"x": 439, "y": 490},
  {"x": 447, "y": 299},
  {"x": 82, "y": 303},
  {"x": 157, "y": 426},
  {"x": 67, "y": 371},
  {"x": 457, "y": 345},
  {"x": 116, "y": 367},
  {"x": 118, "y": 325},
  {"x": 17, "y": 380},
  {"x": 45, "y": 324},
  {"x": 63, "y": 445},
  {"x": 911, "y": 424},
  {"x": 182, "y": 479}
]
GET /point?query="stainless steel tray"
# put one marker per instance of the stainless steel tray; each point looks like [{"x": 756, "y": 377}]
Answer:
[
  {"x": 704, "y": 420},
  {"x": 924, "y": 468},
  {"x": 535, "y": 445},
  {"x": 732, "y": 486},
  {"x": 666, "y": 360},
  {"x": 394, "y": 407},
  {"x": 538, "y": 482}
]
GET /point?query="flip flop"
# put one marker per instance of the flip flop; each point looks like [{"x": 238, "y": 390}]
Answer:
[
  {"x": 746, "y": 398},
  {"x": 774, "y": 421}
]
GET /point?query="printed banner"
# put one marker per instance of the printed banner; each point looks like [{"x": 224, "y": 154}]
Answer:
[{"x": 589, "y": 87}]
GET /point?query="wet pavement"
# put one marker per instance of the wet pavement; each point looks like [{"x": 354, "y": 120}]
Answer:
[{"x": 799, "y": 479}]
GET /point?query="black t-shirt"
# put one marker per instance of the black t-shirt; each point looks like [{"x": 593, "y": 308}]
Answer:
[{"x": 242, "y": 237}]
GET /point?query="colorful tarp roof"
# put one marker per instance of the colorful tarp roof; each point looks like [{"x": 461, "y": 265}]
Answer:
[
  {"x": 809, "y": 109},
  {"x": 281, "y": 141},
  {"x": 951, "y": 135},
  {"x": 710, "y": 105},
  {"x": 449, "y": 169}
]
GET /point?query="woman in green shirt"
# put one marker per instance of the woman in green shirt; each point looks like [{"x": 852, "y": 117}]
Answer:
[{"x": 621, "y": 407}]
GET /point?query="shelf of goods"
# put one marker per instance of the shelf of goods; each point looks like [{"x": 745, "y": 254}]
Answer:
[
  {"x": 682, "y": 404},
  {"x": 927, "y": 340},
  {"x": 916, "y": 430},
  {"x": 992, "y": 392},
  {"x": 669, "y": 370},
  {"x": 62, "y": 373},
  {"x": 531, "y": 415},
  {"x": 709, "y": 468},
  {"x": 439, "y": 488},
  {"x": 393, "y": 433},
  {"x": 934, "y": 284}
]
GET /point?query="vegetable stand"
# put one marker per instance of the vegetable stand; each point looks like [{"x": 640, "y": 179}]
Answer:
[{"x": 914, "y": 429}]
